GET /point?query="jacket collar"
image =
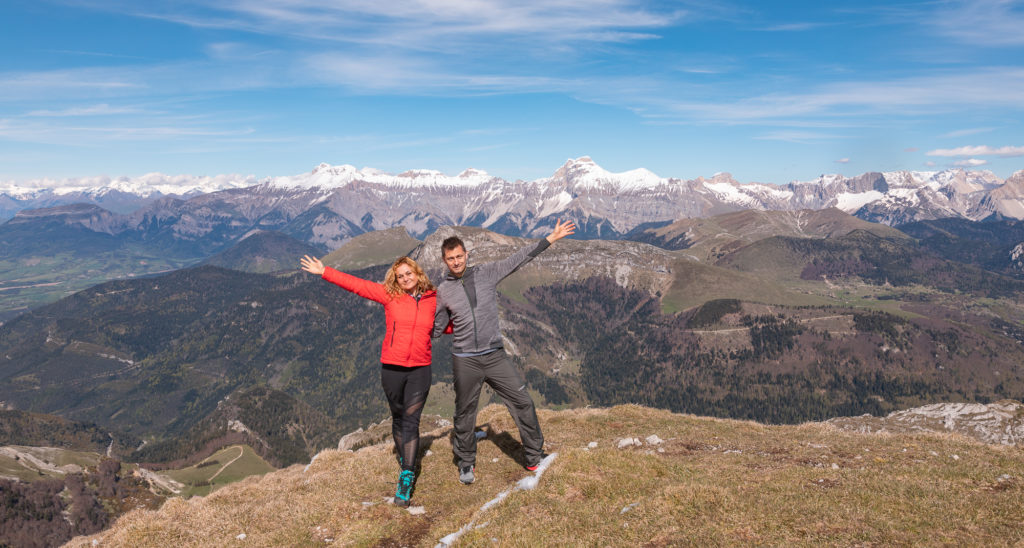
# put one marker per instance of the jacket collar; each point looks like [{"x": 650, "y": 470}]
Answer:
[{"x": 451, "y": 277}]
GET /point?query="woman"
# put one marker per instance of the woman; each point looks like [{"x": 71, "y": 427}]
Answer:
[{"x": 409, "y": 302}]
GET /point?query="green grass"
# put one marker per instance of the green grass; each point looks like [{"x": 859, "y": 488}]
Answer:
[
  {"x": 371, "y": 249},
  {"x": 42, "y": 280},
  {"x": 14, "y": 468},
  {"x": 697, "y": 283},
  {"x": 24, "y": 469},
  {"x": 232, "y": 464}
]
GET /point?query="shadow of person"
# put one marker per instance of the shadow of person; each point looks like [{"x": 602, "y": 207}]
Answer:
[{"x": 507, "y": 443}]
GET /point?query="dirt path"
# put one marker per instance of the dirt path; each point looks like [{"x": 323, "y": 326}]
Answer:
[{"x": 241, "y": 451}]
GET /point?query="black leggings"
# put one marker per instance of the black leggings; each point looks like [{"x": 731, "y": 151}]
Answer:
[{"x": 406, "y": 389}]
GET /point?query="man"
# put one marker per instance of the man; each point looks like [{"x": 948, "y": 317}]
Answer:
[{"x": 468, "y": 297}]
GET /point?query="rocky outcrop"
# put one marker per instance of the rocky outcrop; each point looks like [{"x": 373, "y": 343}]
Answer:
[
  {"x": 381, "y": 432},
  {"x": 1001, "y": 422}
]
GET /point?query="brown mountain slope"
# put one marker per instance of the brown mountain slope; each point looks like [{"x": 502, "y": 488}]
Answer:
[
  {"x": 371, "y": 249},
  {"x": 711, "y": 237},
  {"x": 624, "y": 476}
]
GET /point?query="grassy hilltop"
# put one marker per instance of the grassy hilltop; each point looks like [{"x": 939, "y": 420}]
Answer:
[{"x": 701, "y": 482}]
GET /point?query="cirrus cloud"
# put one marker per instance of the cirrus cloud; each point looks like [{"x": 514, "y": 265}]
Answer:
[
  {"x": 1002, "y": 152},
  {"x": 970, "y": 162}
]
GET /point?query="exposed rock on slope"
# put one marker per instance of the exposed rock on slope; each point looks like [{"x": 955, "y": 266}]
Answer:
[{"x": 1001, "y": 422}]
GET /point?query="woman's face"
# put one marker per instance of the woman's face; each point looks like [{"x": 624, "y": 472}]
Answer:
[{"x": 407, "y": 279}]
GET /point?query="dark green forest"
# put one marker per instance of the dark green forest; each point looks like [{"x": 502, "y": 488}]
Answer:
[{"x": 788, "y": 374}]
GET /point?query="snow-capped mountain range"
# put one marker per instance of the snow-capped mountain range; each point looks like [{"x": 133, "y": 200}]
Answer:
[
  {"x": 120, "y": 194},
  {"x": 330, "y": 204}
]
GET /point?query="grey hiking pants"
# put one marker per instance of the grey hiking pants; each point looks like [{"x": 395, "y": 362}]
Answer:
[{"x": 500, "y": 374}]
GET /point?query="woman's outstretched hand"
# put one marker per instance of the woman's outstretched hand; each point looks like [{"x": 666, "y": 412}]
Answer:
[
  {"x": 561, "y": 231},
  {"x": 312, "y": 265}
]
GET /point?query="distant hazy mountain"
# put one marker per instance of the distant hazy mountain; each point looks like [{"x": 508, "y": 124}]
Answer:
[
  {"x": 333, "y": 203},
  {"x": 263, "y": 252},
  {"x": 121, "y": 194}
]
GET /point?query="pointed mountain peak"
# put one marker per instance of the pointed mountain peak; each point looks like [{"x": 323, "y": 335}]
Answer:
[
  {"x": 327, "y": 169},
  {"x": 473, "y": 172},
  {"x": 1013, "y": 188},
  {"x": 584, "y": 173},
  {"x": 723, "y": 177}
]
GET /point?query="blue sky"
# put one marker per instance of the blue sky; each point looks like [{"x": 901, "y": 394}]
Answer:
[{"x": 768, "y": 91}]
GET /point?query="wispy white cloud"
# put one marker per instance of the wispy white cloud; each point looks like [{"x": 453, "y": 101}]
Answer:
[
  {"x": 794, "y": 27},
  {"x": 843, "y": 161},
  {"x": 93, "y": 110},
  {"x": 83, "y": 53},
  {"x": 928, "y": 94},
  {"x": 420, "y": 75},
  {"x": 481, "y": 39},
  {"x": 92, "y": 81},
  {"x": 969, "y": 131},
  {"x": 151, "y": 81},
  {"x": 1002, "y": 152},
  {"x": 796, "y": 136},
  {"x": 970, "y": 162},
  {"x": 982, "y": 22},
  {"x": 47, "y": 130},
  {"x": 430, "y": 25}
]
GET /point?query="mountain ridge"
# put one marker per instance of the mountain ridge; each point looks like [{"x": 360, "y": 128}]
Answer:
[{"x": 890, "y": 197}]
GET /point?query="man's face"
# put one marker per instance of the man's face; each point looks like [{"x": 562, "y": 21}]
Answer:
[{"x": 456, "y": 260}]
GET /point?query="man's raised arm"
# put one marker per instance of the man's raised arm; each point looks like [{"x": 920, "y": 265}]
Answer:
[{"x": 507, "y": 266}]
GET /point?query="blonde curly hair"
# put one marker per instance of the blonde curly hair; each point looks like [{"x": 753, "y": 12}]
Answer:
[{"x": 391, "y": 279}]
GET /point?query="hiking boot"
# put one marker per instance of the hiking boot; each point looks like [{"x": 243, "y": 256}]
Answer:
[
  {"x": 404, "y": 490},
  {"x": 466, "y": 474}
]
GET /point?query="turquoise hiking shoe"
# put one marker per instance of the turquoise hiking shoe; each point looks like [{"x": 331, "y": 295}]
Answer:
[{"x": 404, "y": 490}]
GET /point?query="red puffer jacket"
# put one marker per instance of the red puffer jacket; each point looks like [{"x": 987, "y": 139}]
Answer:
[{"x": 409, "y": 321}]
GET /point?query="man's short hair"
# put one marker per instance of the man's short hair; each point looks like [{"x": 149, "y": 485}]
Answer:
[{"x": 450, "y": 243}]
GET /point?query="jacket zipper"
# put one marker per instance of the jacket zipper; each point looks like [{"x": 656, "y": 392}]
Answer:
[
  {"x": 393, "y": 329},
  {"x": 476, "y": 342},
  {"x": 416, "y": 316}
]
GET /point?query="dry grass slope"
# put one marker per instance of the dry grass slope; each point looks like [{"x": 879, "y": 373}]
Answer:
[{"x": 710, "y": 482}]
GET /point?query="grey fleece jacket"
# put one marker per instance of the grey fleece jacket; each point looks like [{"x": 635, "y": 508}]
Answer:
[{"x": 471, "y": 302}]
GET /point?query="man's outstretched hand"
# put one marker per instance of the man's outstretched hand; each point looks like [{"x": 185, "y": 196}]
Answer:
[
  {"x": 312, "y": 265},
  {"x": 561, "y": 231}
]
